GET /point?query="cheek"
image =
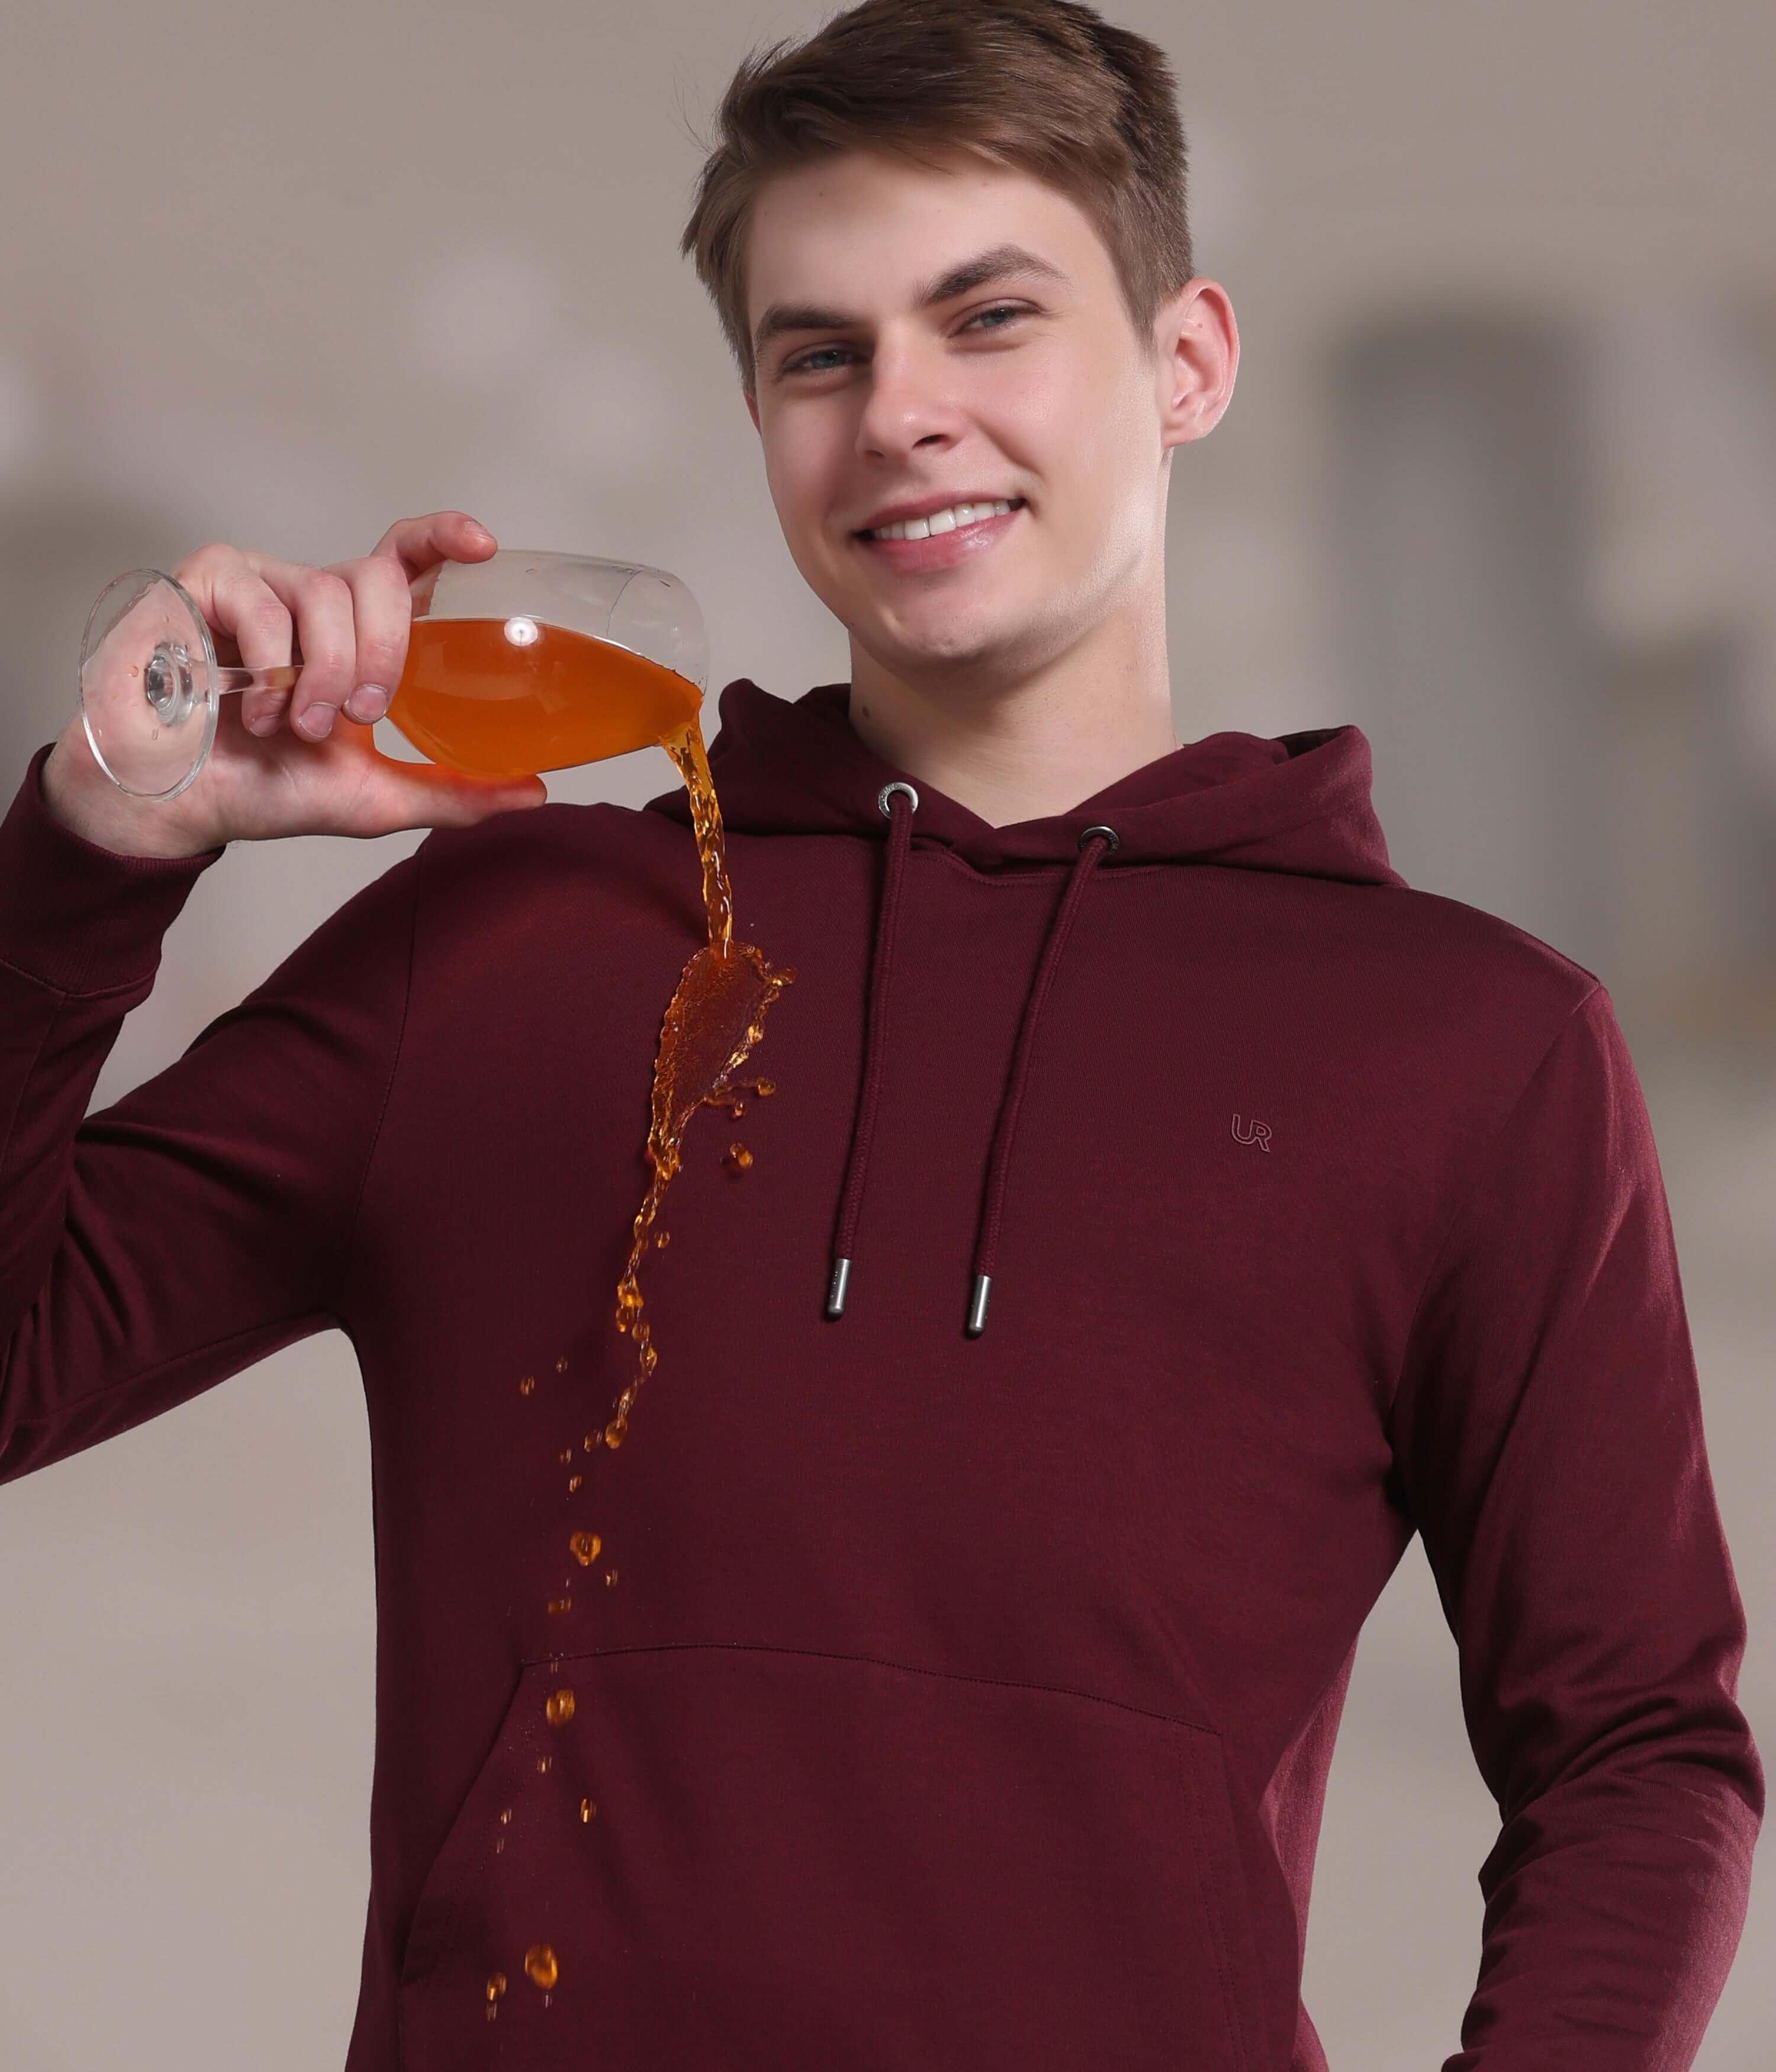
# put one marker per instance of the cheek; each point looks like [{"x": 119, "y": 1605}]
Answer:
[
  {"x": 1056, "y": 421},
  {"x": 796, "y": 468}
]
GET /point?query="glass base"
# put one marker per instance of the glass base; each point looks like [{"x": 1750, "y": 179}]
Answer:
[{"x": 148, "y": 694}]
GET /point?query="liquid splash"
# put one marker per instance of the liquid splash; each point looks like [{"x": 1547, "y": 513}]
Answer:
[{"x": 715, "y": 1018}]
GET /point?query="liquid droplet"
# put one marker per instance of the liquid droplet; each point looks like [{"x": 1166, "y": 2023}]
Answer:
[
  {"x": 560, "y": 1708},
  {"x": 543, "y": 1761},
  {"x": 540, "y": 1965},
  {"x": 505, "y": 1816},
  {"x": 499, "y": 1847},
  {"x": 587, "y": 1809},
  {"x": 738, "y": 1158},
  {"x": 610, "y": 1576},
  {"x": 558, "y": 1606},
  {"x": 561, "y": 1365},
  {"x": 592, "y": 1440},
  {"x": 585, "y": 1547},
  {"x": 766, "y": 1089},
  {"x": 566, "y": 1455},
  {"x": 496, "y": 1985},
  {"x": 573, "y": 1484},
  {"x": 662, "y": 1238},
  {"x": 526, "y": 1384},
  {"x": 737, "y": 1110},
  {"x": 545, "y": 2000},
  {"x": 613, "y": 1433}
]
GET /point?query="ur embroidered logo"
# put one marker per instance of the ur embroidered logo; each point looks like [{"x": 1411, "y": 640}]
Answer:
[{"x": 1254, "y": 1132}]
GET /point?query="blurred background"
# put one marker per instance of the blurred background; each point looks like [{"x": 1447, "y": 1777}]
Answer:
[{"x": 1498, "y": 485}]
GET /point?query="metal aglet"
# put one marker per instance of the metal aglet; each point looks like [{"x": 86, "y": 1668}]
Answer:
[
  {"x": 835, "y": 1294},
  {"x": 977, "y": 1308}
]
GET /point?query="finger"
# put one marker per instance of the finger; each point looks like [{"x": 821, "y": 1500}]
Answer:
[
  {"x": 383, "y": 615},
  {"x": 420, "y": 544},
  {"x": 246, "y": 610},
  {"x": 323, "y": 606}
]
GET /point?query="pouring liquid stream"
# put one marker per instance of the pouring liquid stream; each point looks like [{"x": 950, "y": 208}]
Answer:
[{"x": 507, "y": 698}]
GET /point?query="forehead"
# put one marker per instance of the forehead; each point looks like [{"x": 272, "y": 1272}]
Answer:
[{"x": 866, "y": 231}]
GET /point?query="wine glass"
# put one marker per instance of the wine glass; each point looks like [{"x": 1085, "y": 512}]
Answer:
[{"x": 525, "y": 662}]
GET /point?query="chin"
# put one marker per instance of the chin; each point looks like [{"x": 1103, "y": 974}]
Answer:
[{"x": 983, "y": 659}]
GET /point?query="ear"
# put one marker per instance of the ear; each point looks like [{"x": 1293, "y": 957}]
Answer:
[{"x": 1196, "y": 355}]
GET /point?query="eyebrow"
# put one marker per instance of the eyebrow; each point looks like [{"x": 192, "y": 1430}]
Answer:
[{"x": 1002, "y": 262}]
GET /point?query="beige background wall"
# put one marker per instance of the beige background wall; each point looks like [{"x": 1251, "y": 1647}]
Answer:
[{"x": 1500, "y": 484}]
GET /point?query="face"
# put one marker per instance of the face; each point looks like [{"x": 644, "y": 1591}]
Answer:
[{"x": 1029, "y": 386}]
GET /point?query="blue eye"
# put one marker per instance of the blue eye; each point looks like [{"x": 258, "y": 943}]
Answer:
[{"x": 806, "y": 364}]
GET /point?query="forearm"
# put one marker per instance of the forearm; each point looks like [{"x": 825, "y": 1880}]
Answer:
[
  {"x": 1614, "y": 1905},
  {"x": 80, "y": 935}
]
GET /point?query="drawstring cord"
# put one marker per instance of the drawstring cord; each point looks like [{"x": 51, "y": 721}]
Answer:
[
  {"x": 882, "y": 967},
  {"x": 1094, "y": 843}
]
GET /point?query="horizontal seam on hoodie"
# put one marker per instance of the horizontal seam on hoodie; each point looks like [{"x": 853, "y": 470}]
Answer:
[
  {"x": 1020, "y": 869},
  {"x": 873, "y": 1661},
  {"x": 65, "y": 992},
  {"x": 1465, "y": 1192}
]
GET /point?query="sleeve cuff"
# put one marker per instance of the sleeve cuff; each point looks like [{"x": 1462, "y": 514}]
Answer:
[{"x": 74, "y": 915}]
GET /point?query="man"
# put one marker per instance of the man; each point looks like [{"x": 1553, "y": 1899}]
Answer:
[{"x": 1162, "y": 1214}]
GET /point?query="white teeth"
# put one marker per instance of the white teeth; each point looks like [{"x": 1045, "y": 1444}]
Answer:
[{"x": 939, "y": 521}]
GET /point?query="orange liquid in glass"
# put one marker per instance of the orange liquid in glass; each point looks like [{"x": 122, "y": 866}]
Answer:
[{"x": 513, "y": 698}]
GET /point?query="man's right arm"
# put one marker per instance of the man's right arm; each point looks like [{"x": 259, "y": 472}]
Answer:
[
  {"x": 208, "y": 1218},
  {"x": 154, "y": 1248}
]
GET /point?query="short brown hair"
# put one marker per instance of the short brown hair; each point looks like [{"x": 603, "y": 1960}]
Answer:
[{"x": 1047, "y": 86}]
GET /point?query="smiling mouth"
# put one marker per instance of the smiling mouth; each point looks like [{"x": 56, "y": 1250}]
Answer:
[{"x": 983, "y": 514}]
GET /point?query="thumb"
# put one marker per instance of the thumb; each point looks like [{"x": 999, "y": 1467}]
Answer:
[{"x": 424, "y": 794}]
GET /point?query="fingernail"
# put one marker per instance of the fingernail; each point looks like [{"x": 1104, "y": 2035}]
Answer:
[
  {"x": 316, "y": 722},
  {"x": 262, "y": 723},
  {"x": 368, "y": 702}
]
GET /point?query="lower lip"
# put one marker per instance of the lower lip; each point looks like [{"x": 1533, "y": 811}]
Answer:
[{"x": 942, "y": 550}]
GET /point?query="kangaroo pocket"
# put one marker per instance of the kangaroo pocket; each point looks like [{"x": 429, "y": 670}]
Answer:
[{"x": 736, "y": 1856}]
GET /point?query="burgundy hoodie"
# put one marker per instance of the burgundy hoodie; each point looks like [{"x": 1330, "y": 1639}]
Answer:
[{"x": 955, "y": 1681}]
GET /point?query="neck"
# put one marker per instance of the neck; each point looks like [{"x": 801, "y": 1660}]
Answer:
[{"x": 1034, "y": 746}]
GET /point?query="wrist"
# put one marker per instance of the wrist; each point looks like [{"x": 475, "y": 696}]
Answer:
[{"x": 80, "y": 796}]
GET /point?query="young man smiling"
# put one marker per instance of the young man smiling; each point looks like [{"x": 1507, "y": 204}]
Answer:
[
  {"x": 1018, "y": 663},
  {"x": 1164, "y": 1215}
]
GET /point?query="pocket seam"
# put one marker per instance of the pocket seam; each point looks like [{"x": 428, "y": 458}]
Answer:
[{"x": 874, "y": 1662}]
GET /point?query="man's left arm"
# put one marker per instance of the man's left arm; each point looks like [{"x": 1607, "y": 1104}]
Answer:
[{"x": 1548, "y": 1432}]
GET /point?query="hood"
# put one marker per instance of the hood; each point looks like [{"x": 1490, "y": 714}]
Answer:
[{"x": 1298, "y": 803}]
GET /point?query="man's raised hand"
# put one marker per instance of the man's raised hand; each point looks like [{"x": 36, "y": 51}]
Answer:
[{"x": 300, "y": 761}]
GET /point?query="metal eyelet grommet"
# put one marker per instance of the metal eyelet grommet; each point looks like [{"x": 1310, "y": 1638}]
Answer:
[
  {"x": 888, "y": 791},
  {"x": 1110, "y": 833}
]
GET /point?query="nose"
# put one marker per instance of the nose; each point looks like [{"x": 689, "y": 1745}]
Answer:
[{"x": 910, "y": 402}]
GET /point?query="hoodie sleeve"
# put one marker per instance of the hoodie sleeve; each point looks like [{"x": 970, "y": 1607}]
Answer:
[
  {"x": 1548, "y": 1431},
  {"x": 150, "y": 1251}
]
